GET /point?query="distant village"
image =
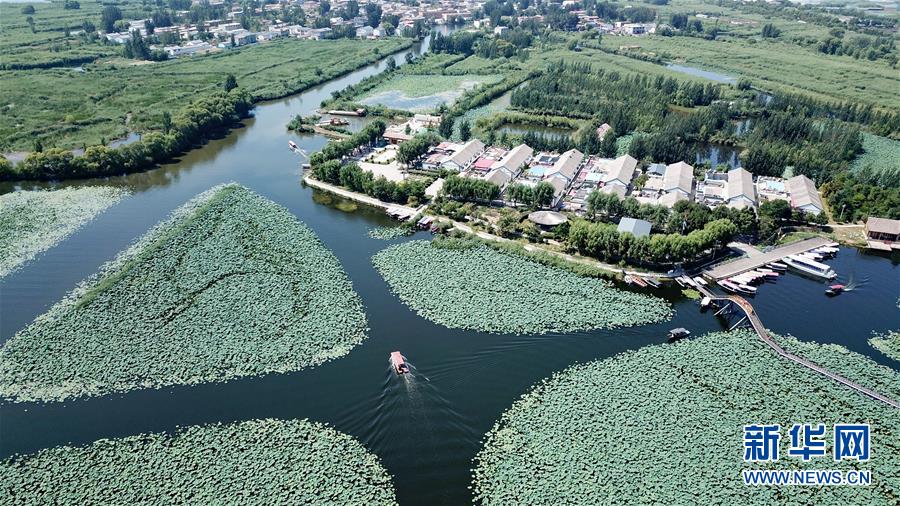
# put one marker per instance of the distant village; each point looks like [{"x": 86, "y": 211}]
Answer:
[
  {"x": 218, "y": 34},
  {"x": 188, "y": 39}
]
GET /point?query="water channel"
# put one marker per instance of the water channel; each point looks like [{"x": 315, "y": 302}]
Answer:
[{"x": 426, "y": 428}]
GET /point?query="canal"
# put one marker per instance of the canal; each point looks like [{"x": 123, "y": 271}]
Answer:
[{"x": 426, "y": 427}]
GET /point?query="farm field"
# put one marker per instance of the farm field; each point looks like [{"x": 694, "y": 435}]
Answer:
[
  {"x": 777, "y": 66},
  {"x": 231, "y": 285},
  {"x": 34, "y": 221},
  {"x": 263, "y": 461},
  {"x": 473, "y": 287},
  {"x": 68, "y": 109},
  {"x": 664, "y": 424}
]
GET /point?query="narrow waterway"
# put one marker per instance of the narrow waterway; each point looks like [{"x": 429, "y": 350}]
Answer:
[{"x": 426, "y": 427}]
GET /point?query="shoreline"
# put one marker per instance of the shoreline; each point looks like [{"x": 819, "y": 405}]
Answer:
[{"x": 20, "y": 155}]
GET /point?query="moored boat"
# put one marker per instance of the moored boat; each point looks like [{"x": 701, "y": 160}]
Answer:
[
  {"x": 639, "y": 281},
  {"x": 777, "y": 266},
  {"x": 809, "y": 266},
  {"x": 699, "y": 281}
]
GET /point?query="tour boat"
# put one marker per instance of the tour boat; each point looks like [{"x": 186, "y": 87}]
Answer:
[
  {"x": 777, "y": 266},
  {"x": 834, "y": 290},
  {"x": 399, "y": 363},
  {"x": 809, "y": 266},
  {"x": 292, "y": 145},
  {"x": 679, "y": 333}
]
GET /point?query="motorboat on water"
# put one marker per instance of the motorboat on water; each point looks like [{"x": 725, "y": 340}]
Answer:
[
  {"x": 699, "y": 281},
  {"x": 777, "y": 266},
  {"x": 398, "y": 362},
  {"x": 679, "y": 333},
  {"x": 809, "y": 266},
  {"x": 293, "y": 146},
  {"x": 835, "y": 290}
]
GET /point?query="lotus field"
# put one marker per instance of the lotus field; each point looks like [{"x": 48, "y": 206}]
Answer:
[
  {"x": 389, "y": 233},
  {"x": 481, "y": 288},
  {"x": 664, "y": 425},
  {"x": 34, "y": 221},
  {"x": 230, "y": 285},
  {"x": 888, "y": 343},
  {"x": 253, "y": 462}
]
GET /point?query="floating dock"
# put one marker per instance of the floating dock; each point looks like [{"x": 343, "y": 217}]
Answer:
[{"x": 729, "y": 269}]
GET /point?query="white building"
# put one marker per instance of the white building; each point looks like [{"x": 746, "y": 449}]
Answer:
[
  {"x": 804, "y": 195},
  {"x": 740, "y": 191}
]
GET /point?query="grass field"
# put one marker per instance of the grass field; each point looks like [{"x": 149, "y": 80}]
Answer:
[
  {"x": 66, "y": 108},
  {"x": 778, "y": 66}
]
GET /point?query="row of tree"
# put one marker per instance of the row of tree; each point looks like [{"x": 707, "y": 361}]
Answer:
[
  {"x": 470, "y": 189},
  {"x": 355, "y": 179},
  {"x": 537, "y": 196},
  {"x": 336, "y": 150},
  {"x": 603, "y": 241},
  {"x": 189, "y": 127}
]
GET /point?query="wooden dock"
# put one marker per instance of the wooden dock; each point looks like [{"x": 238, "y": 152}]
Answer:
[
  {"x": 727, "y": 302},
  {"x": 749, "y": 263}
]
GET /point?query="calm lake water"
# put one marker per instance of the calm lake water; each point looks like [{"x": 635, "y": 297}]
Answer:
[
  {"x": 707, "y": 74},
  {"x": 426, "y": 427}
]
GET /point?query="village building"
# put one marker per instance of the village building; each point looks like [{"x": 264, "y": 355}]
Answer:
[
  {"x": 883, "y": 234},
  {"x": 634, "y": 226},
  {"x": 740, "y": 191},
  {"x": 804, "y": 195}
]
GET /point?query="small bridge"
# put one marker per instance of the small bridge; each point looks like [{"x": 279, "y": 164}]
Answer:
[{"x": 729, "y": 304}]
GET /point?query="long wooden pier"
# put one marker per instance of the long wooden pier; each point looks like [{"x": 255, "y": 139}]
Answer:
[
  {"x": 736, "y": 267},
  {"x": 751, "y": 316}
]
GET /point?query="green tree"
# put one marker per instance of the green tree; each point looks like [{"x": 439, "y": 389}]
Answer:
[
  {"x": 465, "y": 130},
  {"x": 543, "y": 193},
  {"x": 166, "y": 122},
  {"x": 230, "y": 82},
  {"x": 108, "y": 18}
]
